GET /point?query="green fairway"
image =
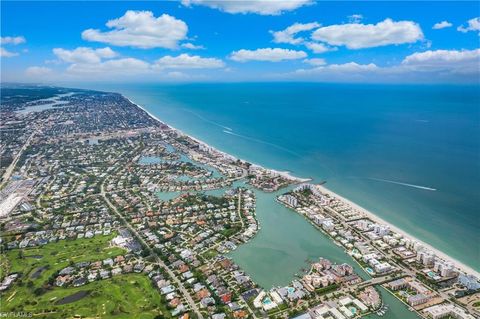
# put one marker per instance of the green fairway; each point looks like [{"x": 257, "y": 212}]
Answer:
[
  {"x": 56, "y": 256},
  {"x": 125, "y": 296}
]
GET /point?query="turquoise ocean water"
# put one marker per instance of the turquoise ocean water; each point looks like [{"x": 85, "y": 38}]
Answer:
[{"x": 410, "y": 154}]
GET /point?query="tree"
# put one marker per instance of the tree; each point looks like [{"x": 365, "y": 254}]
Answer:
[{"x": 39, "y": 291}]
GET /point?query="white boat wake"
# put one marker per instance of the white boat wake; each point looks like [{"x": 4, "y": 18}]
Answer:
[
  {"x": 403, "y": 184},
  {"x": 262, "y": 142},
  {"x": 209, "y": 121}
]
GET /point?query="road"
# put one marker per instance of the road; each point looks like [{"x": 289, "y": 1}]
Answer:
[
  {"x": 160, "y": 262},
  {"x": 9, "y": 170},
  {"x": 376, "y": 281},
  {"x": 239, "y": 207}
]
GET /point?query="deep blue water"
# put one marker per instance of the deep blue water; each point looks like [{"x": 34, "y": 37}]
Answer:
[{"x": 362, "y": 139}]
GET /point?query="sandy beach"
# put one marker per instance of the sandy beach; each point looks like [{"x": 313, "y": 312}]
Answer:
[
  {"x": 462, "y": 267},
  {"x": 459, "y": 265}
]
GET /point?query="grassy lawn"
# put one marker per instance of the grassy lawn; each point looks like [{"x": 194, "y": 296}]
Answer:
[
  {"x": 209, "y": 254},
  {"x": 56, "y": 256},
  {"x": 125, "y": 296},
  {"x": 231, "y": 231},
  {"x": 4, "y": 266}
]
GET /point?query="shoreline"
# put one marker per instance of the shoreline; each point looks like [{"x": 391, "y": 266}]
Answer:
[
  {"x": 458, "y": 264},
  {"x": 285, "y": 174}
]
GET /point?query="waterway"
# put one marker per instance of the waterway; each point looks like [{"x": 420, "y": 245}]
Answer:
[
  {"x": 409, "y": 154},
  {"x": 55, "y": 101},
  {"x": 346, "y": 135},
  {"x": 285, "y": 243}
]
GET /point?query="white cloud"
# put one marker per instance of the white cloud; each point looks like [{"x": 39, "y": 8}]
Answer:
[
  {"x": 192, "y": 46},
  {"x": 346, "y": 72},
  {"x": 263, "y": 7},
  {"x": 125, "y": 66},
  {"x": 451, "y": 61},
  {"x": 4, "y": 53},
  {"x": 442, "y": 25},
  {"x": 473, "y": 25},
  {"x": 141, "y": 29},
  {"x": 185, "y": 61},
  {"x": 288, "y": 35},
  {"x": 84, "y": 55},
  {"x": 355, "y": 18},
  {"x": 359, "y": 36},
  {"x": 319, "y": 47},
  {"x": 315, "y": 61},
  {"x": 443, "y": 66},
  {"x": 93, "y": 68},
  {"x": 350, "y": 67},
  {"x": 13, "y": 40},
  {"x": 38, "y": 71},
  {"x": 439, "y": 63},
  {"x": 267, "y": 54}
]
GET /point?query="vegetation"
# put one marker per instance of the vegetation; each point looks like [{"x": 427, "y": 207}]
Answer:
[
  {"x": 209, "y": 254},
  {"x": 58, "y": 255},
  {"x": 124, "y": 296},
  {"x": 325, "y": 290},
  {"x": 230, "y": 230}
]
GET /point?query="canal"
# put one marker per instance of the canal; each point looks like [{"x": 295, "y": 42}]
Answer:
[{"x": 284, "y": 244}]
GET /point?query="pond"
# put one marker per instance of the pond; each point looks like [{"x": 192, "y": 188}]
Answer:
[
  {"x": 73, "y": 297},
  {"x": 34, "y": 256},
  {"x": 38, "y": 272}
]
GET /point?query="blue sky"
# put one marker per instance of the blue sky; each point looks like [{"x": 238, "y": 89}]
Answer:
[{"x": 258, "y": 40}]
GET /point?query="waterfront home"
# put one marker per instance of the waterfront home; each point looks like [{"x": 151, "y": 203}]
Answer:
[
  {"x": 397, "y": 284},
  {"x": 418, "y": 299}
]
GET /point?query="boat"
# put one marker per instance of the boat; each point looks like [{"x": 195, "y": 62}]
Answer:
[{"x": 382, "y": 311}]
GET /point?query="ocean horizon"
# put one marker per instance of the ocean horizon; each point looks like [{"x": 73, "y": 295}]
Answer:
[{"x": 408, "y": 153}]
